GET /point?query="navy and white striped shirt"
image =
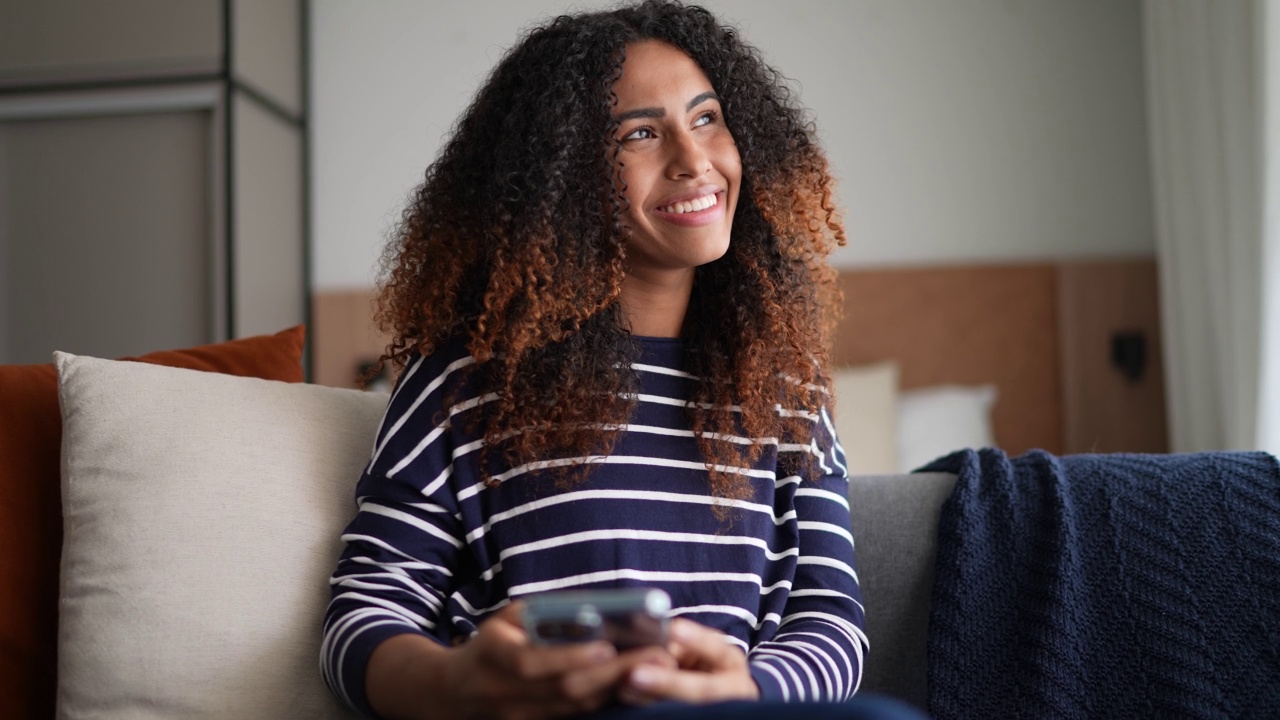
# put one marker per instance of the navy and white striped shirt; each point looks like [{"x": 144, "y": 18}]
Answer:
[{"x": 432, "y": 550}]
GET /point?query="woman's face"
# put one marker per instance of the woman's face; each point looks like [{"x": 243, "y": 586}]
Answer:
[{"x": 678, "y": 160}]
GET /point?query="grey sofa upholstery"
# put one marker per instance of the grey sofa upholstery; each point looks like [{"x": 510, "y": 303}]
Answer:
[{"x": 895, "y": 520}]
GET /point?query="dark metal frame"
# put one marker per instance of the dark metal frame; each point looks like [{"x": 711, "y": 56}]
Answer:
[{"x": 233, "y": 88}]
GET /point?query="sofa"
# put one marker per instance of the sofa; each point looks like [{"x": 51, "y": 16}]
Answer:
[
  {"x": 197, "y": 516},
  {"x": 895, "y": 524},
  {"x": 165, "y": 549}
]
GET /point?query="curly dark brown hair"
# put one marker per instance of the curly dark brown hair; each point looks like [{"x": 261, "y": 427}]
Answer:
[{"x": 515, "y": 242}]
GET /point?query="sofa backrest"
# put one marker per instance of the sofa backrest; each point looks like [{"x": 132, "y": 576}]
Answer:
[{"x": 895, "y": 521}]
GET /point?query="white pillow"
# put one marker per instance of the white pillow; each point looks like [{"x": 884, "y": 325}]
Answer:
[
  {"x": 202, "y": 520},
  {"x": 936, "y": 421},
  {"x": 866, "y": 417}
]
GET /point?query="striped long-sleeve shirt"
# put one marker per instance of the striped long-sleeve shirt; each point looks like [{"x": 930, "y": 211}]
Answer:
[{"x": 432, "y": 550}]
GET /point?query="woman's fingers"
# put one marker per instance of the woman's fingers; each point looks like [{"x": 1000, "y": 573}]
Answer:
[
  {"x": 503, "y": 643},
  {"x": 548, "y": 681},
  {"x": 604, "y": 677},
  {"x": 646, "y": 684},
  {"x": 699, "y": 646},
  {"x": 528, "y": 662},
  {"x": 649, "y": 683},
  {"x": 710, "y": 669},
  {"x": 581, "y": 689}
]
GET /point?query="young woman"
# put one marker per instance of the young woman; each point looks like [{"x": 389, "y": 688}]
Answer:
[{"x": 610, "y": 310}]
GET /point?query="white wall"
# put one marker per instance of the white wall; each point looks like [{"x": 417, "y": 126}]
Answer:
[
  {"x": 4, "y": 245},
  {"x": 980, "y": 130}
]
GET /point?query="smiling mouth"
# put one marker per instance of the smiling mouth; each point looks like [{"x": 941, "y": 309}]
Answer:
[{"x": 690, "y": 206}]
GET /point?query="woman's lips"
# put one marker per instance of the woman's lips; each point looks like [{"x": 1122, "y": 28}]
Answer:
[{"x": 694, "y": 218}]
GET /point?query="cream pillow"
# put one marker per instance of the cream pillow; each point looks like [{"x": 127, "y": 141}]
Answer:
[
  {"x": 866, "y": 417},
  {"x": 202, "y": 520},
  {"x": 938, "y": 420}
]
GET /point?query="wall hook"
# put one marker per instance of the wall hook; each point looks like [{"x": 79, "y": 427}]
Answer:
[{"x": 1129, "y": 354}]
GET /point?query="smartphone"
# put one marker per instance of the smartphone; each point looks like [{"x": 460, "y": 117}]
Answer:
[{"x": 627, "y": 617}]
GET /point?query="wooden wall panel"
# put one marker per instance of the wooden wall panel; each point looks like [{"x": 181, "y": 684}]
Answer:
[
  {"x": 965, "y": 325},
  {"x": 1105, "y": 411},
  {"x": 342, "y": 336},
  {"x": 1040, "y": 333}
]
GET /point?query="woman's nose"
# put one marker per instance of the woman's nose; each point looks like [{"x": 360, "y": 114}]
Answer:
[{"x": 688, "y": 158}]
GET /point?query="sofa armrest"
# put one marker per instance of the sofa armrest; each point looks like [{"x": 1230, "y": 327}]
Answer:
[{"x": 895, "y": 522}]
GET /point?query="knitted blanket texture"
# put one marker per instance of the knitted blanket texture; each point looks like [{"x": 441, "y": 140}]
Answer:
[{"x": 1093, "y": 586}]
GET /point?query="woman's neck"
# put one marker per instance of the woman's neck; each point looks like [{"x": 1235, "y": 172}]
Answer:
[{"x": 656, "y": 306}]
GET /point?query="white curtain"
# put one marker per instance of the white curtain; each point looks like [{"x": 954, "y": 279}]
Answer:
[
  {"x": 1269, "y": 372},
  {"x": 1215, "y": 167}
]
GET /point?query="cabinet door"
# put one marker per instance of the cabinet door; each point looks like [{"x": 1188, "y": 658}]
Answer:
[{"x": 105, "y": 240}]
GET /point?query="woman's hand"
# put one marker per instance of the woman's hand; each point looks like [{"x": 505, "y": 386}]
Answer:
[
  {"x": 710, "y": 669},
  {"x": 499, "y": 674}
]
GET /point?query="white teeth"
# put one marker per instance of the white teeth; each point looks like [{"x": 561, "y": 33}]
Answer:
[{"x": 694, "y": 205}]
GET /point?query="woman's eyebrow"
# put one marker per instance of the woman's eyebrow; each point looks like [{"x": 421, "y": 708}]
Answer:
[
  {"x": 708, "y": 95},
  {"x": 657, "y": 112},
  {"x": 652, "y": 112}
]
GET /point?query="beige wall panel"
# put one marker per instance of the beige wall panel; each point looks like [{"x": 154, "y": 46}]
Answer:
[
  {"x": 107, "y": 235},
  {"x": 267, "y": 48},
  {"x": 75, "y": 40},
  {"x": 267, "y": 205}
]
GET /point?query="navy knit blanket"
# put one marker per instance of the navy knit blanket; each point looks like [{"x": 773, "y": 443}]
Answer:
[{"x": 1096, "y": 586}]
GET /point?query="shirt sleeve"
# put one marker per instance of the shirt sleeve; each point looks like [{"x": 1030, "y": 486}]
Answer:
[
  {"x": 396, "y": 569},
  {"x": 818, "y": 651}
]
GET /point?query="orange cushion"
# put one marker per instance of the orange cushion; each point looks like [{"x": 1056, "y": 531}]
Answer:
[{"x": 31, "y": 504}]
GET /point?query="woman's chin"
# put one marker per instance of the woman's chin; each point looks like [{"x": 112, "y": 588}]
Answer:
[{"x": 715, "y": 252}]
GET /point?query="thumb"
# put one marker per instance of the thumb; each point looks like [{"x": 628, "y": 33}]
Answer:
[
  {"x": 506, "y": 625},
  {"x": 512, "y": 614}
]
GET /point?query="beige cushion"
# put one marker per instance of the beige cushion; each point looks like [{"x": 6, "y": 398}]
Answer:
[
  {"x": 936, "y": 421},
  {"x": 202, "y": 520},
  {"x": 866, "y": 417}
]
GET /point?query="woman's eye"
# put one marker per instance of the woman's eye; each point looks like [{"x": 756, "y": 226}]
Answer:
[
  {"x": 706, "y": 118},
  {"x": 643, "y": 133}
]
